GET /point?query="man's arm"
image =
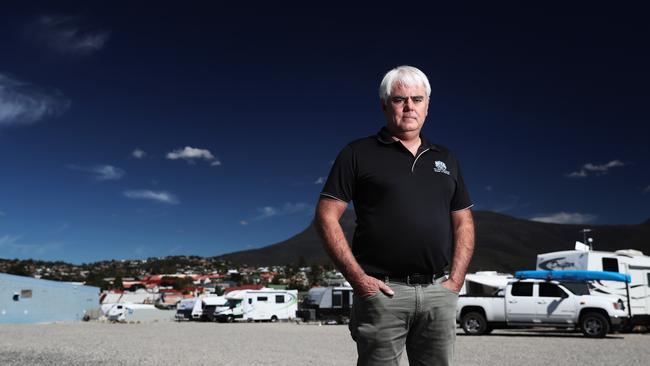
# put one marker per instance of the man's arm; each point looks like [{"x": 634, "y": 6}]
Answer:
[
  {"x": 327, "y": 224},
  {"x": 463, "y": 226}
]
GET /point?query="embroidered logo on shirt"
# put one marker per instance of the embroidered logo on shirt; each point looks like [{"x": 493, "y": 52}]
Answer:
[{"x": 440, "y": 167}]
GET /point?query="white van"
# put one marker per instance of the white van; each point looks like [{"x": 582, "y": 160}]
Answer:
[{"x": 264, "y": 304}]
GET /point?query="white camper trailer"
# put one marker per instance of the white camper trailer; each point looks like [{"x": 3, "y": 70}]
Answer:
[
  {"x": 264, "y": 304},
  {"x": 627, "y": 261},
  {"x": 127, "y": 312},
  {"x": 327, "y": 303},
  {"x": 485, "y": 283}
]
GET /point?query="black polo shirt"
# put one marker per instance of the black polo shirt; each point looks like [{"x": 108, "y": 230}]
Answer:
[{"x": 402, "y": 202}]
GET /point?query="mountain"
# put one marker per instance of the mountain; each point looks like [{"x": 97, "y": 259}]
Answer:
[{"x": 503, "y": 243}]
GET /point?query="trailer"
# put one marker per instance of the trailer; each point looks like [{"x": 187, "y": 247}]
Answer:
[
  {"x": 628, "y": 261},
  {"x": 327, "y": 304},
  {"x": 485, "y": 283},
  {"x": 129, "y": 312}
]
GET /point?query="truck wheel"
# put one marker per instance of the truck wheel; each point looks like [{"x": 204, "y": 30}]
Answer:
[
  {"x": 474, "y": 323},
  {"x": 594, "y": 325},
  {"x": 274, "y": 319},
  {"x": 230, "y": 319}
]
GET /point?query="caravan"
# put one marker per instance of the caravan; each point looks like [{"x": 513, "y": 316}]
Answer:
[
  {"x": 627, "y": 261},
  {"x": 327, "y": 303},
  {"x": 264, "y": 304}
]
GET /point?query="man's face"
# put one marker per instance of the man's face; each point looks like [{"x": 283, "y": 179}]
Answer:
[{"x": 406, "y": 108}]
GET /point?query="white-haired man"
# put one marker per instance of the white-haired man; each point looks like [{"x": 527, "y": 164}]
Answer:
[{"x": 414, "y": 237}]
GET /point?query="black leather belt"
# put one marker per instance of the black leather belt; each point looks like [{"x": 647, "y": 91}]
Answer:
[{"x": 410, "y": 279}]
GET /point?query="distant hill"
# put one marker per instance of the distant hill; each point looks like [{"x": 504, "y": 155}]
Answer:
[{"x": 503, "y": 243}]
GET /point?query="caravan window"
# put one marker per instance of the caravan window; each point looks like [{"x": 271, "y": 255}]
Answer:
[
  {"x": 610, "y": 264},
  {"x": 648, "y": 279},
  {"x": 279, "y": 299},
  {"x": 262, "y": 298},
  {"x": 26, "y": 294},
  {"x": 522, "y": 289}
]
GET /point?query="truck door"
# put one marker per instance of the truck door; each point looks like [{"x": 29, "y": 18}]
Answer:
[
  {"x": 554, "y": 305},
  {"x": 520, "y": 303}
]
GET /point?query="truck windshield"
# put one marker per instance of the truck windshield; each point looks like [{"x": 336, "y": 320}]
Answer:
[
  {"x": 232, "y": 303},
  {"x": 577, "y": 288}
]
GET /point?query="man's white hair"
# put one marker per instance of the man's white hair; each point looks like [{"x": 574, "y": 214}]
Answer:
[{"x": 407, "y": 76}]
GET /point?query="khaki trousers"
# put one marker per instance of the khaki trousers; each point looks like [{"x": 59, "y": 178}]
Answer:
[{"x": 420, "y": 318}]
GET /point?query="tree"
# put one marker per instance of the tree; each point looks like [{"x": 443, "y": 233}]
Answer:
[{"x": 18, "y": 269}]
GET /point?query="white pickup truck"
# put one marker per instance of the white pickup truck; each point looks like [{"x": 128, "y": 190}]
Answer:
[{"x": 538, "y": 302}]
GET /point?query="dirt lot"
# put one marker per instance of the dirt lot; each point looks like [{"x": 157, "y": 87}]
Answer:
[{"x": 169, "y": 343}]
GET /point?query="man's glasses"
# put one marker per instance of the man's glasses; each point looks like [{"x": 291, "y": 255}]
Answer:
[{"x": 399, "y": 100}]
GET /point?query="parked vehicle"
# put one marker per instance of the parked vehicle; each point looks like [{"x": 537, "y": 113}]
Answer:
[
  {"x": 204, "y": 308},
  {"x": 128, "y": 312},
  {"x": 184, "y": 309},
  {"x": 628, "y": 261},
  {"x": 254, "y": 305},
  {"x": 545, "y": 298},
  {"x": 327, "y": 304},
  {"x": 485, "y": 283}
]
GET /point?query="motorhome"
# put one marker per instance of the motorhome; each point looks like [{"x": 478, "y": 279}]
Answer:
[
  {"x": 254, "y": 305},
  {"x": 327, "y": 303},
  {"x": 205, "y": 307},
  {"x": 627, "y": 261}
]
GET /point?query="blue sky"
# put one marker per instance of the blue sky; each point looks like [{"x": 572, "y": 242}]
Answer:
[{"x": 130, "y": 131}]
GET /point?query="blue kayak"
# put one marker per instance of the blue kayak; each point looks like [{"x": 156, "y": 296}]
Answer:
[{"x": 574, "y": 275}]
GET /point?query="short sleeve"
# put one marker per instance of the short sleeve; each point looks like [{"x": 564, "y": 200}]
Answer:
[
  {"x": 340, "y": 183},
  {"x": 460, "y": 200}
]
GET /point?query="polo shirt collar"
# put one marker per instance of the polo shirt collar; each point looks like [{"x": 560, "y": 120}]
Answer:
[{"x": 385, "y": 137}]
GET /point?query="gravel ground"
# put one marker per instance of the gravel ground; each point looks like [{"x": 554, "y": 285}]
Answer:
[{"x": 169, "y": 343}]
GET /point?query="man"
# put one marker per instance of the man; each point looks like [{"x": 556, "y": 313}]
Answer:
[{"x": 413, "y": 212}]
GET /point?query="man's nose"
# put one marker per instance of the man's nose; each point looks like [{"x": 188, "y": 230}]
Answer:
[{"x": 408, "y": 104}]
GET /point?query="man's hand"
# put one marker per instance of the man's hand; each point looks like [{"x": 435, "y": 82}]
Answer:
[
  {"x": 452, "y": 285},
  {"x": 367, "y": 286}
]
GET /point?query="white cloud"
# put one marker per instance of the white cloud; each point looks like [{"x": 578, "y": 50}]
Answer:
[
  {"x": 145, "y": 194},
  {"x": 2, "y": 213},
  {"x": 22, "y": 103},
  {"x": 286, "y": 209},
  {"x": 488, "y": 188},
  {"x": 590, "y": 168},
  {"x": 243, "y": 222},
  {"x": 11, "y": 245},
  {"x": 138, "y": 154},
  {"x": 320, "y": 180},
  {"x": 101, "y": 172},
  {"x": 67, "y": 34},
  {"x": 646, "y": 190},
  {"x": 189, "y": 154},
  {"x": 565, "y": 218}
]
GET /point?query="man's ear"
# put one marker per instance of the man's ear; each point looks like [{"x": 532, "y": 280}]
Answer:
[{"x": 383, "y": 105}]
